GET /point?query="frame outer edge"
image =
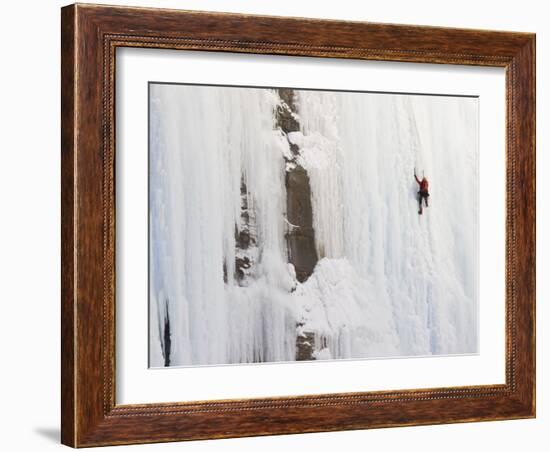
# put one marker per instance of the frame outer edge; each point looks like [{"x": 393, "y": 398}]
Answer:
[
  {"x": 68, "y": 242},
  {"x": 86, "y": 418},
  {"x": 534, "y": 226},
  {"x": 525, "y": 62}
]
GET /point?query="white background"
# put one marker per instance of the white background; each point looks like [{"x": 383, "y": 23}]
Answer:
[{"x": 29, "y": 394}]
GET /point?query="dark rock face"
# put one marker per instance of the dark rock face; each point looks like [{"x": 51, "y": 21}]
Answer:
[
  {"x": 300, "y": 236},
  {"x": 167, "y": 339},
  {"x": 286, "y": 117},
  {"x": 242, "y": 265},
  {"x": 304, "y": 346},
  {"x": 245, "y": 240}
]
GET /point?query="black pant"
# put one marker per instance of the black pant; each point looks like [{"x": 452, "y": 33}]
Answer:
[{"x": 423, "y": 194}]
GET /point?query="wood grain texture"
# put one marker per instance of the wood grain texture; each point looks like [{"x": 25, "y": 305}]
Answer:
[
  {"x": 90, "y": 36},
  {"x": 67, "y": 225}
]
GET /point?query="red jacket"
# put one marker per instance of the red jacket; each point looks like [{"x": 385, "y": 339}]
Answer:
[{"x": 423, "y": 183}]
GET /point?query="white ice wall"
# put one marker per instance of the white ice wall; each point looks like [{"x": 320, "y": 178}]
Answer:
[
  {"x": 422, "y": 270},
  {"x": 389, "y": 282},
  {"x": 201, "y": 141}
]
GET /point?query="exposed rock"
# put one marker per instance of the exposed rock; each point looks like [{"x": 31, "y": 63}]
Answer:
[
  {"x": 300, "y": 235},
  {"x": 304, "y": 346},
  {"x": 245, "y": 239},
  {"x": 287, "y": 119},
  {"x": 167, "y": 339}
]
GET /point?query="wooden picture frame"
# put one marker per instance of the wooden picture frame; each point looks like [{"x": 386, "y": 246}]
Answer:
[{"x": 90, "y": 35}]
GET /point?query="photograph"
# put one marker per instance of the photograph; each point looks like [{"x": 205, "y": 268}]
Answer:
[{"x": 291, "y": 224}]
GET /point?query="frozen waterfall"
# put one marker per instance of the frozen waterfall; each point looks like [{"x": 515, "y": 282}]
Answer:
[{"x": 386, "y": 282}]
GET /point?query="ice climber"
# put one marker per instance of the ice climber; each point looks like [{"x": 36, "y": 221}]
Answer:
[{"x": 422, "y": 192}]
